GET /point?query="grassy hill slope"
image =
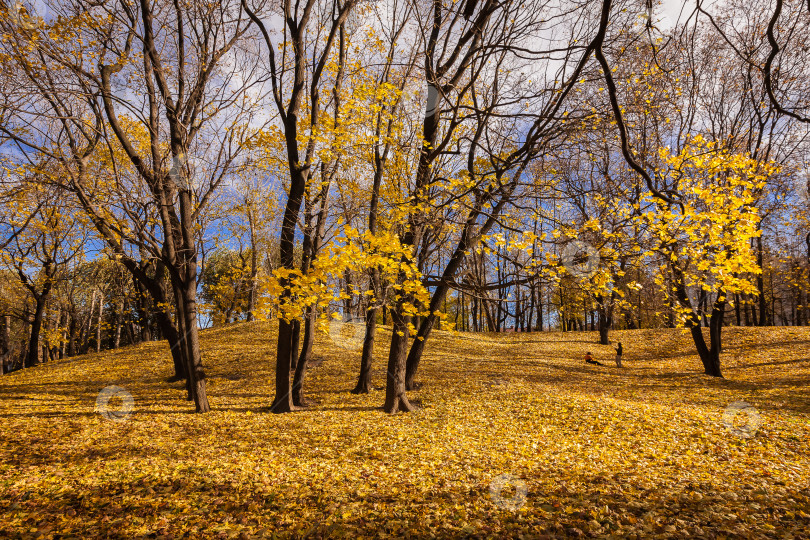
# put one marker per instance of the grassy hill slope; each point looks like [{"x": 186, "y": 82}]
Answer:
[{"x": 516, "y": 436}]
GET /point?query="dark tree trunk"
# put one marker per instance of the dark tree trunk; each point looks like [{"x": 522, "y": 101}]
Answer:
[
  {"x": 709, "y": 355},
  {"x": 426, "y": 327},
  {"x": 72, "y": 335},
  {"x": 175, "y": 335},
  {"x": 303, "y": 359},
  {"x": 32, "y": 358},
  {"x": 88, "y": 329},
  {"x": 448, "y": 276},
  {"x": 604, "y": 327},
  {"x": 313, "y": 237},
  {"x": 194, "y": 365},
  {"x": 737, "y": 310},
  {"x": 99, "y": 321},
  {"x": 363, "y": 385},
  {"x": 175, "y": 347},
  {"x": 540, "y": 307},
  {"x": 5, "y": 344},
  {"x": 395, "y": 397}
]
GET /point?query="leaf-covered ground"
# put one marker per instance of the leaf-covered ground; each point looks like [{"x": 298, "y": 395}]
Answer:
[{"x": 516, "y": 437}]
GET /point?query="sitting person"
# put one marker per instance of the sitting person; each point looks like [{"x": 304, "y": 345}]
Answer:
[{"x": 589, "y": 359}]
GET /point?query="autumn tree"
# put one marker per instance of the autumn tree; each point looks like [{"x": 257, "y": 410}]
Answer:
[{"x": 165, "y": 81}]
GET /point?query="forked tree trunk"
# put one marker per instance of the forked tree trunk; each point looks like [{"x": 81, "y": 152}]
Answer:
[
  {"x": 709, "y": 354},
  {"x": 395, "y": 397}
]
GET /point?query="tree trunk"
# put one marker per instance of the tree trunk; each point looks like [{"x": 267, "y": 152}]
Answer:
[
  {"x": 254, "y": 267},
  {"x": 171, "y": 335},
  {"x": 5, "y": 345},
  {"x": 539, "y": 308},
  {"x": 194, "y": 366},
  {"x": 63, "y": 334},
  {"x": 296, "y": 341},
  {"x": 32, "y": 358},
  {"x": 604, "y": 327},
  {"x": 85, "y": 338},
  {"x": 364, "y": 379},
  {"x": 100, "y": 321},
  {"x": 737, "y": 310},
  {"x": 395, "y": 397},
  {"x": 72, "y": 335},
  {"x": 118, "y": 321},
  {"x": 709, "y": 355},
  {"x": 304, "y": 357},
  {"x": 448, "y": 276}
]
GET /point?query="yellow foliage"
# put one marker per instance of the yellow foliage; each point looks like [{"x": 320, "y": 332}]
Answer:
[{"x": 637, "y": 452}]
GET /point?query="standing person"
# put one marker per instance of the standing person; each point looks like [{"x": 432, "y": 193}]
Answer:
[{"x": 619, "y": 355}]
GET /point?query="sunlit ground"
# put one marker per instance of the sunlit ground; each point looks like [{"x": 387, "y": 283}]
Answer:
[{"x": 516, "y": 436}]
